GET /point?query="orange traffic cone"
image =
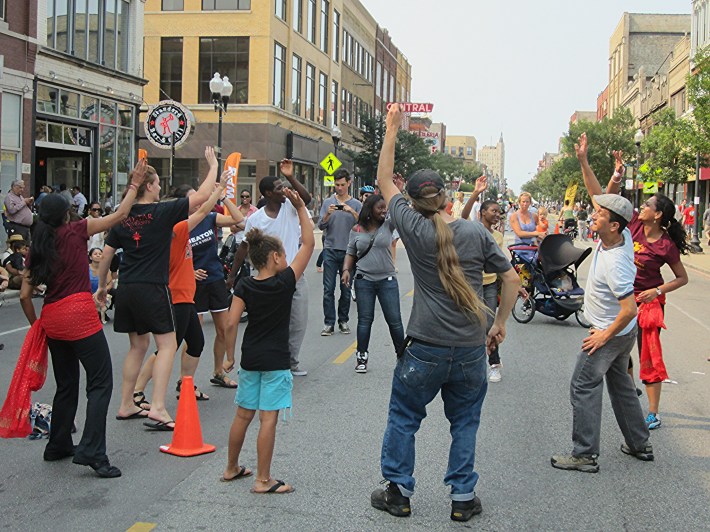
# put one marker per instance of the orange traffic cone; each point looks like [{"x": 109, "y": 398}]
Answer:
[
  {"x": 187, "y": 438},
  {"x": 557, "y": 229}
]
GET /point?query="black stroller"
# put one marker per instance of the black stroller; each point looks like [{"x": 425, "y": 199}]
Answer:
[{"x": 549, "y": 274}]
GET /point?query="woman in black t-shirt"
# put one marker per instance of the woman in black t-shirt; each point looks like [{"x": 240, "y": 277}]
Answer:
[
  {"x": 143, "y": 303},
  {"x": 265, "y": 379}
]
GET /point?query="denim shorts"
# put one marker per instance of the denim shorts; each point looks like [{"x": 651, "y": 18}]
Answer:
[{"x": 264, "y": 390}]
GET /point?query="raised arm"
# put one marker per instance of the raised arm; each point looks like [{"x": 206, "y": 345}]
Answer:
[
  {"x": 385, "y": 168},
  {"x": 196, "y": 217},
  {"x": 286, "y": 167},
  {"x": 590, "y": 180},
  {"x": 99, "y": 225},
  {"x": 300, "y": 262},
  {"x": 481, "y": 185},
  {"x": 207, "y": 186},
  {"x": 235, "y": 217},
  {"x": 104, "y": 266},
  {"x": 619, "y": 171}
]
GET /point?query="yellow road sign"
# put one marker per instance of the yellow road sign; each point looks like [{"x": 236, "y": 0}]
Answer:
[
  {"x": 331, "y": 163},
  {"x": 650, "y": 187},
  {"x": 328, "y": 181}
]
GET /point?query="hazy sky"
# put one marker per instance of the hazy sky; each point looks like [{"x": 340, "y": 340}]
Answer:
[{"x": 519, "y": 67}]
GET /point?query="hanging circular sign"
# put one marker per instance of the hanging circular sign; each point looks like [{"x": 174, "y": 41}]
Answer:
[{"x": 167, "y": 123}]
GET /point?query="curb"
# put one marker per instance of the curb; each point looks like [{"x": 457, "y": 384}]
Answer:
[{"x": 700, "y": 269}]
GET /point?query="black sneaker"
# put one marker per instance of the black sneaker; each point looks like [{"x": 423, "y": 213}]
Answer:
[
  {"x": 645, "y": 454},
  {"x": 327, "y": 330},
  {"x": 465, "y": 510},
  {"x": 343, "y": 326},
  {"x": 391, "y": 500},
  {"x": 361, "y": 362}
]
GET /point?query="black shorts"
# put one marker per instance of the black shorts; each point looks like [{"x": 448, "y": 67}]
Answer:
[
  {"x": 212, "y": 297},
  {"x": 143, "y": 308},
  {"x": 188, "y": 328}
]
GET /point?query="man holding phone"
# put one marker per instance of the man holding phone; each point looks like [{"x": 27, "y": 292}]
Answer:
[{"x": 338, "y": 215}]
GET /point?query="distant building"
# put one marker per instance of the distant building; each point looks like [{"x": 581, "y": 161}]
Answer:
[
  {"x": 493, "y": 160},
  {"x": 583, "y": 116},
  {"x": 462, "y": 146},
  {"x": 603, "y": 104},
  {"x": 548, "y": 159},
  {"x": 641, "y": 40}
]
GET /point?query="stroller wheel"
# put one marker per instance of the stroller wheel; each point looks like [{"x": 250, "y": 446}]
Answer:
[
  {"x": 579, "y": 315},
  {"x": 524, "y": 309}
]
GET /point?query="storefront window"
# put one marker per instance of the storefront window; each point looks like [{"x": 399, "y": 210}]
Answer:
[{"x": 69, "y": 103}]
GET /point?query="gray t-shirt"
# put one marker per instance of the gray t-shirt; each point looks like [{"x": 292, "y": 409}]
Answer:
[
  {"x": 337, "y": 228},
  {"x": 377, "y": 264},
  {"x": 435, "y": 317}
]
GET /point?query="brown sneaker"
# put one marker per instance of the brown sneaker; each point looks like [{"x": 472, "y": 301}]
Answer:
[{"x": 586, "y": 464}]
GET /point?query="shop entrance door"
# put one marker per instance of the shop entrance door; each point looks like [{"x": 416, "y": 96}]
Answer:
[{"x": 57, "y": 167}]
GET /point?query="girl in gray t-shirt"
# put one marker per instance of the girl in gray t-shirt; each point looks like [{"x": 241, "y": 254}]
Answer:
[{"x": 370, "y": 246}]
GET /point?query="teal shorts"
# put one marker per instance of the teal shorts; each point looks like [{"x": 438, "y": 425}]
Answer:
[{"x": 264, "y": 390}]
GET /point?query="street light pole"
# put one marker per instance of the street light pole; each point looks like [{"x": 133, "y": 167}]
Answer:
[
  {"x": 638, "y": 138},
  {"x": 221, "y": 90}
]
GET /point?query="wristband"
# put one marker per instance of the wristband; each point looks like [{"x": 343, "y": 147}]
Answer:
[{"x": 616, "y": 178}]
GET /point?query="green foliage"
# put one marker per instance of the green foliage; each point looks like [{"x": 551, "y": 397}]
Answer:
[
  {"x": 411, "y": 153},
  {"x": 669, "y": 149},
  {"x": 604, "y": 137}
]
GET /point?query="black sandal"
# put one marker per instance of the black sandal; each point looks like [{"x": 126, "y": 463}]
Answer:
[
  {"x": 199, "y": 395},
  {"x": 139, "y": 400}
]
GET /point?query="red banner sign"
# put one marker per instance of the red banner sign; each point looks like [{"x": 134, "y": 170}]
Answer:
[{"x": 409, "y": 107}]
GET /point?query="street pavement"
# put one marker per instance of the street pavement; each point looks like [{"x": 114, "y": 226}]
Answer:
[{"x": 329, "y": 450}]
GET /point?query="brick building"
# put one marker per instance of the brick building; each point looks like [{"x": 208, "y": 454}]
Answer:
[{"x": 18, "y": 51}]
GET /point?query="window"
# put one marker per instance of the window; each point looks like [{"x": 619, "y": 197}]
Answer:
[
  {"x": 281, "y": 9},
  {"x": 93, "y": 30},
  {"x": 11, "y": 136},
  {"x": 336, "y": 36},
  {"x": 346, "y": 53},
  {"x": 378, "y": 80},
  {"x": 296, "y": 85},
  {"x": 226, "y": 5},
  {"x": 173, "y": 5},
  {"x": 171, "y": 68},
  {"x": 230, "y": 57},
  {"x": 324, "y": 10},
  {"x": 311, "y": 22},
  {"x": 334, "y": 103},
  {"x": 323, "y": 99},
  {"x": 469, "y": 151},
  {"x": 297, "y": 6},
  {"x": 279, "y": 76},
  {"x": 2, "y": 16},
  {"x": 343, "y": 99},
  {"x": 349, "y": 108},
  {"x": 310, "y": 91}
]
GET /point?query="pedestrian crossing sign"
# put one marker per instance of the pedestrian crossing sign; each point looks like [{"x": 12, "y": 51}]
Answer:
[
  {"x": 650, "y": 187},
  {"x": 330, "y": 164},
  {"x": 328, "y": 181}
]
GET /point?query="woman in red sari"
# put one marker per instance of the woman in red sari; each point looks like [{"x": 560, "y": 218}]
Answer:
[{"x": 71, "y": 325}]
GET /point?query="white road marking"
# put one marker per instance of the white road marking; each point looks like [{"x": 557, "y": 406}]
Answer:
[{"x": 15, "y": 330}]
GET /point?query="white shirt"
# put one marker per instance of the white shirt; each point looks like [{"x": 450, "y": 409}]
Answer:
[
  {"x": 285, "y": 226},
  {"x": 611, "y": 278},
  {"x": 79, "y": 201}
]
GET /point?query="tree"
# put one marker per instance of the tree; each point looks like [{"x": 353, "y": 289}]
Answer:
[
  {"x": 610, "y": 134},
  {"x": 669, "y": 148},
  {"x": 411, "y": 153}
]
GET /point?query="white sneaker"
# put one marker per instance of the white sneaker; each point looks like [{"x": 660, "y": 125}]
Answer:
[
  {"x": 361, "y": 362},
  {"x": 298, "y": 372},
  {"x": 494, "y": 375}
]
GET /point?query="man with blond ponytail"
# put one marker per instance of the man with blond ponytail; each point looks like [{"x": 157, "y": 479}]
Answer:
[{"x": 446, "y": 345}]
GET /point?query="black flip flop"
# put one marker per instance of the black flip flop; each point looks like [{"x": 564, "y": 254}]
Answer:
[
  {"x": 242, "y": 474},
  {"x": 160, "y": 426},
  {"x": 134, "y": 415},
  {"x": 272, "y": 489},
  {"x": 219, "y": 380}
]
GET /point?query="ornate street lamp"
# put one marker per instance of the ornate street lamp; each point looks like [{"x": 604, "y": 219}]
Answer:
[{"x": 221, "y": 90}]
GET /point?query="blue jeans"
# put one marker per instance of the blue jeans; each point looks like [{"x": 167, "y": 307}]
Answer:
[
  {"x": 332, "y": 272},
  {"x": 387, "y": 291},
  {"x": 424, "y": 370}
]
